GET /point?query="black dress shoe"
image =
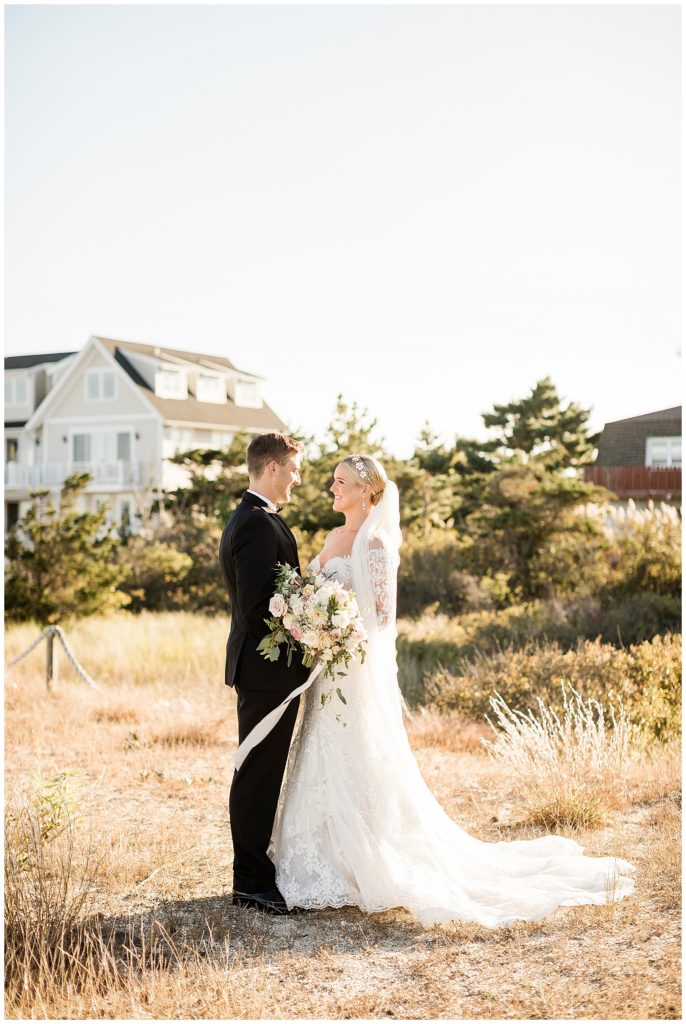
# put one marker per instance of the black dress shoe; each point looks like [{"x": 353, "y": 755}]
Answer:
[{"x": 270, "y": 902}]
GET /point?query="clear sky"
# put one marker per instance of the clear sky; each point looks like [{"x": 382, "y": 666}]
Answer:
[{"x": 425, "y": 208}]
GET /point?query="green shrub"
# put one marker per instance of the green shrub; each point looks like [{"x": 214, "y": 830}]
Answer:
[
  {"x": 646, "y": 551},
  {"x": 60, "y": 563},
  {"x": 645, "y": 677},
  {"x": 435, "y": 640},
  {"x": 155, "y": 575},
  {"x": 432, "y": 574}
]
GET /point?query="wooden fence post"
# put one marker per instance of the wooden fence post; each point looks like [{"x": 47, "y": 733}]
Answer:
[{"x": 51, "y": 673}]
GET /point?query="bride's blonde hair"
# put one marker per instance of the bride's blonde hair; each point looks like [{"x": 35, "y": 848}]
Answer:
[{"x": 367, "y": 470}]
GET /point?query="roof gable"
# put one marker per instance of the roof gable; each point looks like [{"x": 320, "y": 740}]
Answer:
[{"x": 67, "y": 379}]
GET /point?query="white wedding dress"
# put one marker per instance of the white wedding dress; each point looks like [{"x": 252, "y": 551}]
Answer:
[{"x": 357, "y": 825}]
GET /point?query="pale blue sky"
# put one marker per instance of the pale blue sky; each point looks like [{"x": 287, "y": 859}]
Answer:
[{"x": 425, "y": 208}]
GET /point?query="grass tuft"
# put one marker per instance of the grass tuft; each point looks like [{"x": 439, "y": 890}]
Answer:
[{"x": 569, "y": 769}]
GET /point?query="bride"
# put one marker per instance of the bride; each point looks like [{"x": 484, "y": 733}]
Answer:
[{"x": 356, "y": 823}]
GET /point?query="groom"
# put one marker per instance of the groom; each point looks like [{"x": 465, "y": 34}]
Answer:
[{"x": 254, "y": 540}]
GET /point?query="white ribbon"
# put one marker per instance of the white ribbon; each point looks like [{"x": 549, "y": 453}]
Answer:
[{"x": 266, "y": 724}]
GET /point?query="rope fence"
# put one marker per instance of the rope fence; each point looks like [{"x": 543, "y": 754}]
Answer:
[{"x": 48, "y": 635}]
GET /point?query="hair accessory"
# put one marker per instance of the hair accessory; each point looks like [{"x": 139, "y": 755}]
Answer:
[{"x": 359, "y": 465}]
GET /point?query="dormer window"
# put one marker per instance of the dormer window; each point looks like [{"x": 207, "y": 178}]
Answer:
[
  {"x": 247, "y": 393},
  {"x": 211, "y": 389},
  {"x": 171, "y": 384},
  {"x": 100, "y": 385},
  {"x": 16, "y": 391}
]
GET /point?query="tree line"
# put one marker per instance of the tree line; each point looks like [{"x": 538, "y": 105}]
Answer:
[{"x": 486, "y": 524}]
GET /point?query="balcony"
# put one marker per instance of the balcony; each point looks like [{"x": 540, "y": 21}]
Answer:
[
  {"x": 117, "y": 474},
  {"x": 661, "y": 483}
]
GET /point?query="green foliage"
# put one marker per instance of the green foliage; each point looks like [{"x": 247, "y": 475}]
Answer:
[
  {"x": 217, "y": 479},
  {"x": 155, "y": 575},
  {"x": 539, "y": 427},
  {"x": 61, "y": 563},
  {"x": 437, "y": 641},
  {"x": 432, "y": 575},
  {"x": 644, "y": 678},
  {"x": 527, "y": 527},
  {"x": 645, "y": 553},
  {"x": 351, "y": 430}
]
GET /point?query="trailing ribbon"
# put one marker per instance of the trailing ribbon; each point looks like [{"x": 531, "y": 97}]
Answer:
[{"x": 266, "y": 724}]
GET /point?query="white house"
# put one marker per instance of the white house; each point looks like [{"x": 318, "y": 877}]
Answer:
[{"x": 119, "y": 410}]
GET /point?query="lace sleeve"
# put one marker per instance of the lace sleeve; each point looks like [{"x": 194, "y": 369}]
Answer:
[{"x": 383, "y": 581}]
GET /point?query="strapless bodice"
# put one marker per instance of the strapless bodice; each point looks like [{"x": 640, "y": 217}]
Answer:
[{"x": 339, "y": 567}]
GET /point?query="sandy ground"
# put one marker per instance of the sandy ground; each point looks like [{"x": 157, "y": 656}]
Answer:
[{"x": 158, "y": 807}]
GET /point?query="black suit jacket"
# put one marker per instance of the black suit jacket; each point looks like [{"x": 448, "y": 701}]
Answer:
[{"x": 252, "y": 543}]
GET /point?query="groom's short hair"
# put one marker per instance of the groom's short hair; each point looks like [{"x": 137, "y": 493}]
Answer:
[{"x": 266, "y": 448}]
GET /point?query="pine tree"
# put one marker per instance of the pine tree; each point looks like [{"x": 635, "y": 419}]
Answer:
[
  {"x": 61, "y": 563},
  {"x": 539, "y": 427}
]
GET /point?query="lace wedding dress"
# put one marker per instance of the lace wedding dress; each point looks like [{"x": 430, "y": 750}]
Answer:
[{"x": 357, "y": 825}]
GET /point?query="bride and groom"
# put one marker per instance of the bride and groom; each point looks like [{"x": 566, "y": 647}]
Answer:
[{"x": 354, "y": 823}]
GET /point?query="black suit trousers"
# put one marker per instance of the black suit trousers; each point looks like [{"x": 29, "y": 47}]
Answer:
[{"x": 255, "y": 789}]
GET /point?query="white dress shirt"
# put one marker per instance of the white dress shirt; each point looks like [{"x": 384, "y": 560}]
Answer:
[{"x": 271, "y": 504}]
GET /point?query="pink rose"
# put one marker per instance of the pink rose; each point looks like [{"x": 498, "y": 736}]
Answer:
[{"x": 296, "y": 634}]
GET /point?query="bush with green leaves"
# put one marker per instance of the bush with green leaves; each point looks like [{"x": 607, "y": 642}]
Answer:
[
  {"x": 645, "y": 551},
  {"x": 644, "y": 678},
  {"x": 61, "y": 563},
  {"x": 155, "y": 575},
  {"x": 432, "y": 574}
]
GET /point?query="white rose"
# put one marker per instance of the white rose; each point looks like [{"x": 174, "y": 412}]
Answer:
[
  {"x": 277, "y": 605},
  {"x": 310, "y": 638},
  {"x": 340, "y": 619},
  {"x": 289, "y": 621},
  {"x": 327, "y": 655}
]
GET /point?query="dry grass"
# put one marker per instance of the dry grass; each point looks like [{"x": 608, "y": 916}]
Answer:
[
  {"x": 569, "y": 769},
  {"x": 158, "y": 938},
  {"x": 428, "y": 727}
]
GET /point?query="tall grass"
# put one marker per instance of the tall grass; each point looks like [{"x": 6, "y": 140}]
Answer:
[{"x": 569, "y": 769}]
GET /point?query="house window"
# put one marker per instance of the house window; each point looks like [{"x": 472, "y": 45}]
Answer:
[
  {"x": 81, "y": 447},
  {"x": 248, "y": 394},
  {"x": 11, "y": 449},
  {"x": 171, "y": 384},
  {"x": 211, "y": 389},
  {"x": 220, "y": 439},
  {"x": 16, "y": 391},
  {"x": 663, "y": 451},
  {"x": 100, "y": 385},
  {"x": 11, "y": 514},
  {"x": 124, "y": 447},
  {"x": 178, "y": 440}
]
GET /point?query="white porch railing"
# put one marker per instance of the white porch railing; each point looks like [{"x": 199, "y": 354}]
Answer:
[{"x": 45, "y": 474}]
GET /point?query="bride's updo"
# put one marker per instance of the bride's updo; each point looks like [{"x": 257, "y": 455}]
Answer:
[{"x": 368, "y": 470}]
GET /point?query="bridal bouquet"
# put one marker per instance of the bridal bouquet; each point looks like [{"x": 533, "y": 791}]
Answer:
[{"x": 316, "y": 616}]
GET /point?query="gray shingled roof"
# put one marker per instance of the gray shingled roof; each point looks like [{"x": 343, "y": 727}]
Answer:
[
  {"x": 623, "y": 442},
  {"x": 24, "y": 362}
]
